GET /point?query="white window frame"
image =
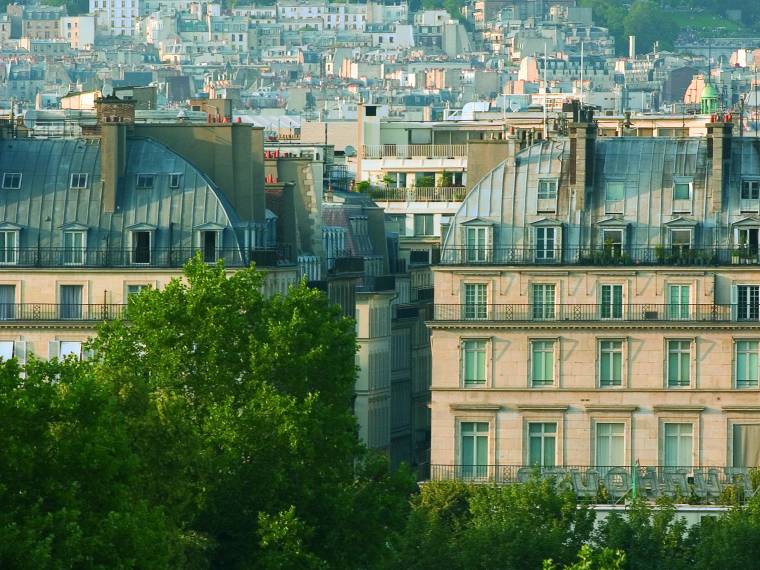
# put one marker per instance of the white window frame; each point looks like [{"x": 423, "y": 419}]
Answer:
[
  {"x": 735, "y": 365},
  {"x": 82, "y": 251},
  {"x": 424, "y": 216},
  {"x": 612, "y": 316},
  {"x": 8, "y": 177},
  {"x": 673, "y": 231},
  {"x": 694, "y": 439},
  {"x": 682, "y": 205},
  {"x": 623, "y": 362},
  {"x": 132, "y": 247},
  {"x": 144, "y": 177},
  {"x": 463, "y": 348},
  {"x": 490, "y": 443},
  {"x": 175, "y": 180},
  {"x": 540, "y": 309},
  {"x": 677, "y": 311},
  {"x": 617, "y": 249},
  {"x": 544, "y": 436},
  {"x": 546, "y": 195},
  {"x": 623, "y": 436},
  {"x": 9, "y": 256},
  {"x": 614, "y": 206},
  {"x": 555, "y": 368},
  {"x": 750, "y": 310},
  {"x": 77, "y": 177},
  {"x": 544, "y": 254},
  {"x": 199, "y": 240},
  {"x": 479, "y": 252},
  {"x": 691, "y": 351},
  {"x": 477, "y": 309},
  {"x": 746, "y": 202}
]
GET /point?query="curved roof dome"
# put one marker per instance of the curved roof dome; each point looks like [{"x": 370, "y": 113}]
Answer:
[{"x": 709, "y": 92}]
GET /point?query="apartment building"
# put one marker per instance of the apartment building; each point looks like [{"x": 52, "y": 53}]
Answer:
[
  {"x": 598, "y": 305},
  {"x": 116, "y": 17}
]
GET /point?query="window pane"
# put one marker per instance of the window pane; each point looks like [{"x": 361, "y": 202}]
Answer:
[
  {"x": 681, "y": 191},
  {"x": 6, "y": 349},
  {"x": 615, "y": 191}
]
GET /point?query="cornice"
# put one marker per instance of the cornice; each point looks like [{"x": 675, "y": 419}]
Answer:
[{"x": 596, "y": 325}]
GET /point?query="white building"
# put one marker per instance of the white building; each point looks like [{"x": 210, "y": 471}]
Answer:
[
  {"x": 116, "y": 17},
  {"x": 79, "y": 31}
]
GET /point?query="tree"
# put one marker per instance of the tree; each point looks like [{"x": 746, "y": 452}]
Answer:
[
  {"x": 605, "y": 559},
  {"x": 650, "y": 24}
]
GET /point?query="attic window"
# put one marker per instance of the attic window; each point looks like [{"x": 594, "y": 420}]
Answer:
[
  {"x": 78, "y": 180},
  {"x": 174, "y": 180},
  {"x": 11, "y": 180},
  {"x": 145, "y": 181}
]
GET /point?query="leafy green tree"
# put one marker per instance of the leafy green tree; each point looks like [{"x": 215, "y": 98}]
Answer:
[
  {"x": 605, "y": 559},
  {"x": 611, "y": 15},
  {"x": 651, "y": 538},
  {"x": 650, "y": 23}
]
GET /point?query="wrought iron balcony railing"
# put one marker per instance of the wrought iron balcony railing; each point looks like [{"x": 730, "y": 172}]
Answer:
[
  {"x": 545, "y": 312},
  {"x": 138, "y": 257},
  {"x": 377, "y": 151},
  {"x": 419, "y": 194},
  {"x": 605, "y": 256},
  {"x": 705, "y": 483},
  {"x": 26, "y": 312}
]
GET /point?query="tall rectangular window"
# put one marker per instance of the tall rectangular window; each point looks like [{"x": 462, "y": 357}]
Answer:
[
  {"x": 546, "y": 244},
  {"x": 8, "y": 247},
  {"x": 612, "y": 240},
  {"x": 678, "y": 443},
  {"x": 423, "y": 225},
  {"x": 748, "y": 302},
  {"x": 612, "y": 302},
  {"x": 614, "y": 197},
  {"x": 73, "y": 248},
  {"x": 474, "y": 449},
  {"x": 611, "y": 363},
  {"x": 475, "y": 306},
  {"x": 476, "y": 244},
  {"x": 678, "y": 302},
  {"x": 71, "y": 302},
  {"x": 746, "y": 445},
  {"x": 542, "y": 443},
  {"x": 610, "y": 445},
  {"x": 542, "y": 362},
  {"x": 547, "y": 189},
  {"x": 746, "y": 363},
  {"x": 474, "y": 362},
  {"x": 679, "y": 362},
  {"x": 7, "y": 302},
  {"x": 209, "y": 246},
  {"x": 140, "y": 247},
  {"x": 543, "y": 301}
]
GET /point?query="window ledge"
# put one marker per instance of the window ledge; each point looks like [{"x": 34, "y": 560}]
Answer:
[
  {"x": 542, "y": 407},
  {"x": 677, "y": 408},
  {"x": 476, "y": 407}
]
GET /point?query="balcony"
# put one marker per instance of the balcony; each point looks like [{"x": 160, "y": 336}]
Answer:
[
  {"x": 138, "y": 258},
  {"x": 33, "y": 312},
  {"x": 576, "y": 313},
  {"x": 379, "y": 151},
  {"x": 600, "y": 256},
  {"x": 419, "y": 194},
  {"x": 610, "y": 483}
]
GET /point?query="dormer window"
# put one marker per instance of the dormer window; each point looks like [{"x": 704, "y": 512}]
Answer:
[
  {"x": 174, "y": 180},
  {"x": 74, "y": 245},
  {"x": 9, "y": 246},
  {"x": 547, "y": 238},
  {"x": 78, "y": 181},
  {"x": 11, "y": 180},
  {"x": 750, "y": 196},
  {"x": 682, "y": 195},
  {"x": 680, "y": 239},
  {"x": 144, "y": 181},
  {"x": 547, "y": 195},
  {"x": 614, "y": 197}
]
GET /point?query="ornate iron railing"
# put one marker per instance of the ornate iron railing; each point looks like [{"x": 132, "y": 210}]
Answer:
[{"x": 26, "y": 312}]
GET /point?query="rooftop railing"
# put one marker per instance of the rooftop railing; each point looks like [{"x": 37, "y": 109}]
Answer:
[
  {"x": 138, "y": 257},
  {"x": 702, "y": 484},
  {"x": 414, "y": 151},
  {"x": 604, "y": 256},
  {"x": 551, "y": 312},
  {"x": 26, "y": 312},
  {"x": 420, "y": 194}
]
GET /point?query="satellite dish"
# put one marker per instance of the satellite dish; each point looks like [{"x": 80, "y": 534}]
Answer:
[{"x": 350, "y": 151}]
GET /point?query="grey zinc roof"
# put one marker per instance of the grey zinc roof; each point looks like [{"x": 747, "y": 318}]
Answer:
[
  {"x": 45, "y": 204},
  {"x": 506, "y": 197}
]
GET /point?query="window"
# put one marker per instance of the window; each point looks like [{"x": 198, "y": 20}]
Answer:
[
  {"x": 8, "y": 247},
  {"x": 747, "y": 240},
  {"x": 423, "y": 225},
  {"x": 144, "y": 181},
  {"x": 746, "y": 445},
  {"x": 475, "y": 295},
  {"x": 69, "y": 347},
  {"x": 750, "y": 190},
  {"x": 71, "y": 302},
  {"x": 547, "y": 189},
  {"x": 679, "y": 362},
  {"x": 209, "y": 245},
  {"x": 542, "y": 363},
  {"x": 474, "y": 362},
  {"x": 396, "y": 223},
  {"x": 6, "y": 349},
  {"x": 133, "y": 290},
  {"x": 543, "y": 301},
  {"x": 746, "y": 363},
  {"x": 73, "y": 248},
  {"x": 612, "y": 302},
  {"x": 474, "y": 448},
  {"x": 174, "y": 180},
  {"x": 678, "y": 302},
  {"x": 141, "y": 247},
  {"x": 542, "y": 442},
  {"x": 682, "y": 191},
  {"x": 546, "y": 244},
  {"x": 11, "y": 180},
  {"x": 476, "y": 244},
  {"x": 677, "y": 445},
  {"x": 612, "y": 241},
  {"x": 610, "y": 445},
  {"x": 7, "y": 302},
  {"x": 680, "y": 240},
  {"x": 78, "y": 180},
  {"x": 614, "y": 197},
  {"x": 748, "y": 302},
  {"x": 610, "y": 363}
]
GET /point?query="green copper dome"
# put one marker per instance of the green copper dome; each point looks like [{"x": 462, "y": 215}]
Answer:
[{"x": 709, "y": 99}]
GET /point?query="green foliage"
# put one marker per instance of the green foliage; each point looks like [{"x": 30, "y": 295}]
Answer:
[
  {"x": 515, "y": 526},
  {"x": 588, "y": 559},
  {"x": 650, "y": 23},
  {"x": 363, "y": 186}
]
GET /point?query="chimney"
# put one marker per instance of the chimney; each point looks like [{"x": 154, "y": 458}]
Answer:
[
  {"x": 582, "y": 141},
  {"x": 718, "y": 154},
  {"x": 113, "y": 161},
  {"x": 111, "y": 109},
  {"x": 631, "y": 47}
]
